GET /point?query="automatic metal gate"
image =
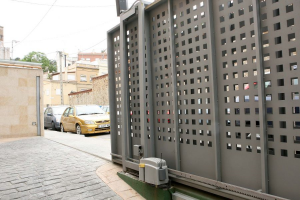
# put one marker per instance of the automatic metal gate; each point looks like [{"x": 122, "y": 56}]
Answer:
[{"x": 213, "y": 86}]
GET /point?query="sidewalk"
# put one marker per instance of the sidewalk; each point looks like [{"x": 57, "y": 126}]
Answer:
[
  {"x": 100, "y": 147},
  {"x": 37, "y": 168},
  {"x": 97, "y": 146},
  {"x": 108, "y": 173}
]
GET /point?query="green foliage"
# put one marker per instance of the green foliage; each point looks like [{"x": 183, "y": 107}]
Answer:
[{"x": 39, "y": 57}]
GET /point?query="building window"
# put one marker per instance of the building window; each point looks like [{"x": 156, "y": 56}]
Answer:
[
  {"x": 57, "y": 91},
  {"x": 83, "y": 78},
  {"x": 71, "y": 77},
  {"x": 47, "y": 92},
  {"x": 55, "y": 78},
  {"x": 91, "y": 77}
]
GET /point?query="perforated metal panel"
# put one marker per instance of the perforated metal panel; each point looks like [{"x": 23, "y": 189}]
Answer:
[
  {"x": 238, "y": 96},
  {"x": 220, "y": 50},
  {"x": 162, "y": 84},
  {"x": 134, "y": 89},
  {"x": 117, "y": 70},
  {"x": 280, "y": 34},
  {"x": 194, "y": 87}
]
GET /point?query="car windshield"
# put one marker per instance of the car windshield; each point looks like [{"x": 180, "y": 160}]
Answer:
[
  {"x": 58, "y": 110},
  {"x": 105, "y": 108},
  {"x": 88, "y": 110}
]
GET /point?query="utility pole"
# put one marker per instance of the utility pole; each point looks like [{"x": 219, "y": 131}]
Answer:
[
  {"x": 12, "y": 48},
  {"x": 61, "y": 79}
]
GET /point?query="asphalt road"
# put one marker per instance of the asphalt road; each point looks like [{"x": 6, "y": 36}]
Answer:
[{"x": 96, "y": 144}]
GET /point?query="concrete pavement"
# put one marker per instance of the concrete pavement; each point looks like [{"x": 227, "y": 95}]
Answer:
[
  {"x": 98, "y": 146},
  {"x": 37, "y": 168}
]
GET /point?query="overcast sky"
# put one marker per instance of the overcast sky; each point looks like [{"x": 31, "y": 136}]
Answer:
[{"x": 70, "y": 25}]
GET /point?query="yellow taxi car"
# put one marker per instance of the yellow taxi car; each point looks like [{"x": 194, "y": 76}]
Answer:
[{"x": 85, "y": 119}]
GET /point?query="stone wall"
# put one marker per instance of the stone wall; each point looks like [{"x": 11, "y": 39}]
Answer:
[
  {"x": 100, "y": 90},
  {"x": 98, "y": 95},
  {"x": 81, "y": 98},
  {"x": 18, "y": 102}
]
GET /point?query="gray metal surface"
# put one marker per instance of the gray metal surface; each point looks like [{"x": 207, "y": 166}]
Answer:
[
  {"x": 283, "y": 164},
  {"x": 117, "y": 85},
  {"x": 142, "y": 79},
  {"x": 224, "y": 77},
  {"x": 180, "y": 196},
  {"x": 261, "y": 101},
  {"x": 121, "y": 5},
  {"x": 239, "y": 166},
  {"x": 162, "y": 85},
  {"x": 149, "y": 87},
  {"x": 125, "y": 124},
  {"x": 38, "y": 105},
  {"x": 194, "y": 85},
  {"x": 174, "y": 87},
  {"x": 134, "y": 82},
  {"x": 215, "y": 99},
  {"x": 112, "y": 93}
]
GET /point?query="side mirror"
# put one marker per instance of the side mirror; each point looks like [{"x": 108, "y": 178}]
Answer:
[
  {"x": 71, "y": 115},
  {"x": 49, "y": 114}
]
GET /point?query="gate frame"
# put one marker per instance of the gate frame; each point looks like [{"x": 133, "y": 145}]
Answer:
[{"x": 140, "y": 11}]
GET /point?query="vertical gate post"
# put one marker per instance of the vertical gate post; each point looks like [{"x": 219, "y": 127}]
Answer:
[
  {"x": 174, "y": 87},
  {"x": 213, "y": 71},
  {"x": 261, "y": 94},
  {"x": 112, "y": 93},
  {"x": 124, "y": 96},
  {"x": 142, "y": 77}
]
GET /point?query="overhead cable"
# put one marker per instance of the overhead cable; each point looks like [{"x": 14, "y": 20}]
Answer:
[
  {"x": 38, "y": 23},
  {"x": 64, "y": 6}
]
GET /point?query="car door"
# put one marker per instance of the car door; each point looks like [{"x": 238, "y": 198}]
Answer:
[
  {"x": 71, "y": 120},
  {"x": 45, "y": 118},
  {"x": 48, "y": 117},
  {"x": 64, "y": 119}
]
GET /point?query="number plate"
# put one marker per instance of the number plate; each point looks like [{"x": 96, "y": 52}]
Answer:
[{"x": 104, "y": 126}]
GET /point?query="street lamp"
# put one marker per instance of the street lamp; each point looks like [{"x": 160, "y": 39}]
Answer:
[{"x": 12, "y": 48}]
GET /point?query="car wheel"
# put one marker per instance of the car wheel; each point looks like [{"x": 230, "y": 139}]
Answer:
[
  {"x": 62, "y": 128},
  {"x": 53, "y": 126},
  {"x": 78, "y": 129}
]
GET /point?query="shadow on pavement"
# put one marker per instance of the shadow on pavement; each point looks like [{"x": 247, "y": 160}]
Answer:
[{"x": 97, "y": 134}]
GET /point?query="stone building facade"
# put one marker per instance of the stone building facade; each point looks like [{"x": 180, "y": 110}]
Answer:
[{"x": 18, "y": 100}]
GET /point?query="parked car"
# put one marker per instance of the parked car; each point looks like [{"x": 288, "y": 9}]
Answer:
[
  {"x": 52, "y": 117},
  {"x": 105, "y": 109},
  {"x": 85, "y": 119}
]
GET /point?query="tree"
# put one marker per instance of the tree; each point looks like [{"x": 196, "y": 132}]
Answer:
[{"x": 39, "y": 57}]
